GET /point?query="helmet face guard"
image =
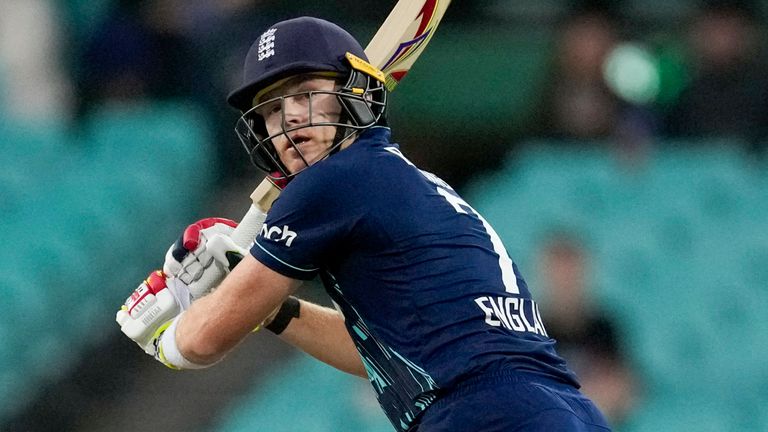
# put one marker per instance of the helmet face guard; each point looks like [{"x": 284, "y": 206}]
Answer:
[{"x": 362, "y": 100}]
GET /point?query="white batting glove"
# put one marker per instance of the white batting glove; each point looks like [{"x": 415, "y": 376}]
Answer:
[
  {"x": 151, "y": 308},
  {"x": 204, "y": 255}
]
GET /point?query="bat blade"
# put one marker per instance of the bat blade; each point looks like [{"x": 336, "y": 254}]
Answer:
[{"x": 403, "y": 36}]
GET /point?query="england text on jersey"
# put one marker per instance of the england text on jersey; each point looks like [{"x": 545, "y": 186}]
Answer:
[{"x": 512, "y": 313}]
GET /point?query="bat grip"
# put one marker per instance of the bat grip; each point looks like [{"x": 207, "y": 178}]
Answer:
[{"x": 249, "y": 227}]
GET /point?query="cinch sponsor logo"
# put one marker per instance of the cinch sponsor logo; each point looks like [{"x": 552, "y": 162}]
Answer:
[{"x": 278, "y": 234}]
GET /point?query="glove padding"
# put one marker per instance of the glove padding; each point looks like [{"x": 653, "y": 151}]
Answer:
[
  {"x": 151, "y": 308},
  {"x": 204, "y": 255}
]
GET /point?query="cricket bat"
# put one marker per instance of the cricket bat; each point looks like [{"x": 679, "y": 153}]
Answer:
[{"x": 394, "y": 49}]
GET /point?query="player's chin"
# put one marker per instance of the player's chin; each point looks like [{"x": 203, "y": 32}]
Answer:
[{"x": 297, "y": 164}]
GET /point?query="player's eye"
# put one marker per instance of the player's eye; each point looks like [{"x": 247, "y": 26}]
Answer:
[
  {"x": 270, "y": 108},
  {"x": 301, "y": 97}
]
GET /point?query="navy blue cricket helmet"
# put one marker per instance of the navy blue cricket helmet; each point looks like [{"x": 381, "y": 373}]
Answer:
[
  {"x": 291, "y": 47},
  {"x": 301, "y": 46}
]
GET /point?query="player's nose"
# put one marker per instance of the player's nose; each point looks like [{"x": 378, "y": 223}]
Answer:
[{"x": 296, "y": 113}]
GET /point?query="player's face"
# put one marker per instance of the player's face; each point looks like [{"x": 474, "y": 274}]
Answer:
[{"x": 295, "y": 105}]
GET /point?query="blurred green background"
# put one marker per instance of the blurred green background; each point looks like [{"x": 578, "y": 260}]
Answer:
[{"x": 635, "y": 129}]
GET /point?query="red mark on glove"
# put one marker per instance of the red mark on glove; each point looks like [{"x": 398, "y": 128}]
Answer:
[
  {"x": 191, "y": 237},
  {"x": 144, "y": 295}
]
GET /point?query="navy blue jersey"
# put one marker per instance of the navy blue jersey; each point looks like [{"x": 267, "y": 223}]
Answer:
[{"x": 428, "y": 292}]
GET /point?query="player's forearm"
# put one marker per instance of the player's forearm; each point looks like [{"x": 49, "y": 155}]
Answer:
[
  {"x": 320, "y": 332},
  {"x": 216, "y": 323},
  {"x": 197, "y": 336}
]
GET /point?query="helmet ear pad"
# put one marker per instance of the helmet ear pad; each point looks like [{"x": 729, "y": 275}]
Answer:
[{"x": 362, "y": 107}]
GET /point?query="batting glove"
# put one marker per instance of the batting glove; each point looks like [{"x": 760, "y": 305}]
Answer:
[
  {"x": 151, "y": 308},
  {"x": 204, "y": 255}
]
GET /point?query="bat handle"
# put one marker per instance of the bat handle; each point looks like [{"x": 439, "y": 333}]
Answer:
[
  {"x": 263, "y": 197},
  {"x": 249, "y": 227}
]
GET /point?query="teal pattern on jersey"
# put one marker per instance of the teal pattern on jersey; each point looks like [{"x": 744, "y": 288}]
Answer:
[{"x": 404, "y": 390}]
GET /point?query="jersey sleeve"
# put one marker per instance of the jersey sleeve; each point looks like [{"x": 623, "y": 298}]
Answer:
[{"x": 310, "y": 219}]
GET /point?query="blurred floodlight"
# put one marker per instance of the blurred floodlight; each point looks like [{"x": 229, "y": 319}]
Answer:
[{"x": 631, "y": 71}]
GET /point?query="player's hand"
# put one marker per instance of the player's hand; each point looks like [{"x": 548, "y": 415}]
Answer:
[
  {"x": 151, "y": 308},
  {"x": 204, "y": 255}
]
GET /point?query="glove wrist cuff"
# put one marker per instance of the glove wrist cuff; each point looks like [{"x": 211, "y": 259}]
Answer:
[
  {"x": 168, "y": 351},
  {"x": 289, "y": 310}
]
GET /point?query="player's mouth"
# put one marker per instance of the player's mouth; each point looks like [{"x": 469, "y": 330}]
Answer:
[
  {"x": 299, "y": 139},
  {"x": 297, "y": 145}
]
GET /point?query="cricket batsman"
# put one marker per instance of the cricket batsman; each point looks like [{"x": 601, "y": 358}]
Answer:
[{"x": 429, "y": 306}]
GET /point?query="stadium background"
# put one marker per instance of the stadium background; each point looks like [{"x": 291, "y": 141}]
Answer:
[{"x": 114, "y": 134}]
